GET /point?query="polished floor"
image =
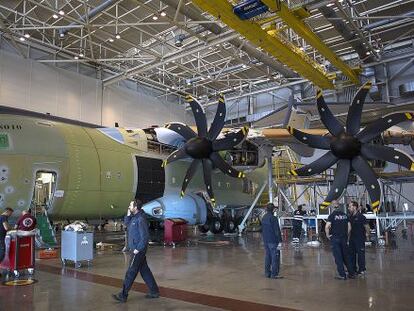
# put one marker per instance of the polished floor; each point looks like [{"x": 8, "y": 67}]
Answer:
[{"x": 224, "y": 276}]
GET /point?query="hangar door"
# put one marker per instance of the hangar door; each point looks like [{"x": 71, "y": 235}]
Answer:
[{"x": 151, "y": 179}]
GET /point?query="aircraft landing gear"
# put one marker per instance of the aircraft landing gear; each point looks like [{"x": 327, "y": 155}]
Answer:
[
  {"x": 216, "y": 225},
  {"x": 230, "y": 225}
]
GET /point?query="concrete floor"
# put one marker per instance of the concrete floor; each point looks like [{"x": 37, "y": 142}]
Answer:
[{"x": 227, "y": 276}]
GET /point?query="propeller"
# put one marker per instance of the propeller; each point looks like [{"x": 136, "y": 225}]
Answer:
[
  {"x": 350, "y": 147},
  {"x": 204, "y": 147}
]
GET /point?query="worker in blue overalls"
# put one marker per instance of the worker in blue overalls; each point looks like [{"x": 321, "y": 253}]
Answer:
[
  {"x": 359, "y": 233},
  {"x": 337, "y": 230},
  {"x": 138, "y": 238},
  {"x": 271, "y": 239}
]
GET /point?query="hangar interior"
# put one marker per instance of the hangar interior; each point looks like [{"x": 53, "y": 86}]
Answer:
[{"x": 206, "y": 111}]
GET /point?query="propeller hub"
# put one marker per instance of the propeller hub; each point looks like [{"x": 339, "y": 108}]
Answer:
[
  {"x": 345, "y": 146},
  {"x": 199, "y": 147}
]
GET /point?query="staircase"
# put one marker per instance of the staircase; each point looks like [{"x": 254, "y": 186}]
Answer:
[{"x": 46, "y": 237}]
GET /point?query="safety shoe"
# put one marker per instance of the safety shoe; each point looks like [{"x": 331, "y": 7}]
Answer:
[
  {"x": 119, "y": 298},
  {"x": 361, "y": 274},
  {"x": 338, "y": 277},
  {"x": 277, "y": 277},
  {"x": 351, "y": 276},
  {"x": 152, "y": 295}
]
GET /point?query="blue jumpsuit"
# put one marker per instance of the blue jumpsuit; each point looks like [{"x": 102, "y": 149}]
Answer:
[
  {"x": 339, "y": 241},
  {"x": 271, "y": 239},
  {"x": 357, "y": 242},
  {"x": 138, "y": 238}
]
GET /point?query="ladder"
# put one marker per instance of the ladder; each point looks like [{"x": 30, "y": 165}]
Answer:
[{"x": 46, "y": 237}]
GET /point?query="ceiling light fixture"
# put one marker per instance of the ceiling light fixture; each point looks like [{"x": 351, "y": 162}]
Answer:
[
  {"x": 111, "y": 40},
  {"x": 118, "y": 36},
  {"x": 163, "y": 14},
  {"x": 81, "y": 54},
  {"x": 76, "y": 57},
  {"x": 55, "y": 16},
  {"x": 155, "y": 17},
  {"x": 22, "y": 39},
  {"x": 61, "y": 12},
  {"x": 27, "y": 36},
  {"x": 62, "y": 35}
]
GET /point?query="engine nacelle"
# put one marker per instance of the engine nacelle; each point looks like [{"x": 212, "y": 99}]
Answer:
[{"x": 191, "y": 208}]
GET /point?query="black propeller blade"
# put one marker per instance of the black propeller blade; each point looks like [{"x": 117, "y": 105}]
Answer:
[
  {"x": 317, "y": 166},
  {"x": 224, "y": 167},
  {"x": 350, "y": 148},
  {"x": 175, "y": 156},
  {"x": 382, "y": 124},
  {"x": 182, "y": 129},
  {"x": 340, "y": 181},
  {"x": 353, "y": 120},
  {"x": 231, "y": 140},
  {"x": 189, "y": 175},
  {"x": 327, "y": 118},
  {"x": 199, "y": 116},
  {"x": 207, "y": 170},
  {"x": 384, "y": 153},
  {"x": 203, "y": 146},
  {"x": 361, "y": 166},
  {"x": 314, "y": 141},
  {"x": 218, "y": 121}
]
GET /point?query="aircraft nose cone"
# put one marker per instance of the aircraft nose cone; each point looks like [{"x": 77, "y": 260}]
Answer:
[{"x": 154, "y": 209}]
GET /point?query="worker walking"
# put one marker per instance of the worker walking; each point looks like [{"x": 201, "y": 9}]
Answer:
[
  {"x": 271, "y": 239},
  {"x": 337, "y": 230},
  {"x": 26, "y": 221},
  {"x": 297, "y": 224},
  {"x": 4, "y": 227},
  {"x": 138, "y": 238},
  {"x": 359, "y": 233}
]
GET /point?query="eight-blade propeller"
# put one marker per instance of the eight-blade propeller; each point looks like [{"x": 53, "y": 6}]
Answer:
[
  {"x": 204, "y": 147},
  {"x": 350, "y": 147}
]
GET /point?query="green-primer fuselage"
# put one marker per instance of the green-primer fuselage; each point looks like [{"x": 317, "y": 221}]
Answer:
[{"x": 96, "y": 175}]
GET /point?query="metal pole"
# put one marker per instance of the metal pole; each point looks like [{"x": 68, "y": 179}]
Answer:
[
  {"x": 242, "y": 224},
  {"x": 270, "y": 178}
]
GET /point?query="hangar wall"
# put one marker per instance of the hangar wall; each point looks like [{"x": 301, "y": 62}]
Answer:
[{"x": 28, "y": 84}]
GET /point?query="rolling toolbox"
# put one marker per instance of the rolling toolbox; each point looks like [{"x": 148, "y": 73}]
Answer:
[
  {"x": 20, "y": 252},
  {"x": 175, "y": 231}
]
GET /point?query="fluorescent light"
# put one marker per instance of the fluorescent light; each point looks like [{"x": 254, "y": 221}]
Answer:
[
  {"x": 155, "y": 17},
  {"x": 244, "y": 66},
  {"x": 118, "y": 36},
  {"x": 76, "y": 57},
  {"x": 81, "y": 54},
  {"x": 368, "y": 52},
  {"x": 61, "y": 12},
  {"x": 61, "y": 35},
  {"x": 163, "y": 14},
  {"x": 111, "y": 40},
  {"x": 55, "y": 16},
  {"x": 26, "y": 35},
  {"x": 22, "y": 39}
]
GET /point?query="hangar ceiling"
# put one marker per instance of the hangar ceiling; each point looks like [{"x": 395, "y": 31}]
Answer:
[{"x": 173, "y": 46}]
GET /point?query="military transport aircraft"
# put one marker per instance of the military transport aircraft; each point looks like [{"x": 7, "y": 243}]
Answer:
[{"x": 84, "y": 171}]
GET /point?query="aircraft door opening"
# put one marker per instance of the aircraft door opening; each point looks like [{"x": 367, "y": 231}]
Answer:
[
  {"x": 45, "y": 184},
  {"x": 151, "y": 179}
]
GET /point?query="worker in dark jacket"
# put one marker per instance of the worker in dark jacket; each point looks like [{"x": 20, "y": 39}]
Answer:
[
  {"x": 138, "y": 238},
  {"x": 297, "y": 223},
  {"x": 337, "y": 230},
  {"x": 359, "y": 234},
  {"x": 271, "y": 239}
]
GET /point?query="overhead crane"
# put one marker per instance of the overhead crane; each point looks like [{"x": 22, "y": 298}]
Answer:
[
  {"x": 270, "y": 40},
  {"x": 295, "y": 22}
]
